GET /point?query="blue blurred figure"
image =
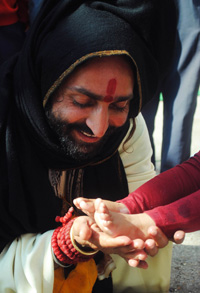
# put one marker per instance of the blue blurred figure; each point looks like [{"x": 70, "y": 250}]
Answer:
[{"x": 179, "y": 89}]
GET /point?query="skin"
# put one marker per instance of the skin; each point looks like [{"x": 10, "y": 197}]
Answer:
[
  {"x": 87, "y": 233},
  {"x": 84, "y": 99},
  {"x": 116, "y": 224},
  {"x": 99, "y": 101},
  {"x": 155, "y": 237}
]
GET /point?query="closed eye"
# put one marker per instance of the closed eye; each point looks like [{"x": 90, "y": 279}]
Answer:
[
  {"x": 82, "y": 101},
  {"x": 120, "y": 106}
]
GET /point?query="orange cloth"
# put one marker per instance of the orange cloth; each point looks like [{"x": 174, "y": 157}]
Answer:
[{"x": 80, "y": 280}]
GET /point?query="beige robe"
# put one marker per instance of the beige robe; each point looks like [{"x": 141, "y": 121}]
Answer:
[{"x": 27, "y": 263}]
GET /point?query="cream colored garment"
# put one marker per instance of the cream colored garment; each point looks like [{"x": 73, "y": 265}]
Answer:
[
  {"x": 27, "y": 265},
  {"x": 139, "y": 169}
]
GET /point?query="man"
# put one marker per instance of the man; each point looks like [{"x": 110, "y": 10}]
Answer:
[{"x": 70, "y": 127}]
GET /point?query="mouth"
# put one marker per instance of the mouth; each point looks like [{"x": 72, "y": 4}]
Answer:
[{"x": 85, "y": 136}]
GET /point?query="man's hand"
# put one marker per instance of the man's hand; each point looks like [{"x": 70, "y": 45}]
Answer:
[
  {"x": 87, "y": 233},
  {"x": 135, "y": 252}
]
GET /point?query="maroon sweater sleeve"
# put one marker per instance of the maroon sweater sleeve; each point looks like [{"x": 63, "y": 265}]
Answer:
[
  {"x": 183, "y": 214},
  {"x": 181, "y": 182}
]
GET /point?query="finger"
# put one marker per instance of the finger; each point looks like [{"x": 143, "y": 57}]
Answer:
[
  {"x": 138, "y": 244},
  {"x": 138, "y": 263},
  {"x": 85, "y": 232},
  {"x": 109, "y": 242},
  {"x": 133, "y": 262},
  {"x": 106, "y": 247},
  {"x": 151, "y": 247},
  {"x": 159, "y": 237},
  {"x": 137, "y": 255},
  {"x": 103, "y": 240},
  {"x": 143, "y": 265},
  {"x": 179, "y": 237},
  {"x": 131, "y": 250}
]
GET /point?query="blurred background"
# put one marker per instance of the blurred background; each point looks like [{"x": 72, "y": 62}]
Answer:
[{"x": 185, "y": 274}]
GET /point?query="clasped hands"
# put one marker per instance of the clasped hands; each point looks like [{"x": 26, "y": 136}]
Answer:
[{"x": 108, "y": 227}]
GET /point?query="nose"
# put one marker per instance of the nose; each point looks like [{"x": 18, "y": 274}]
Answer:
[{"x": 97, "y": 121}]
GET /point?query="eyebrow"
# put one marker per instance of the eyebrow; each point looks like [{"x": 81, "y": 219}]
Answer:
[{"x": 98, "y": 97}]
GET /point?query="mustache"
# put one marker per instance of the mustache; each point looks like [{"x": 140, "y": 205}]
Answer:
[
  {"x": 65, "y": 128},
  {"x": 79, "y": 127},
  {"x": 84, "y": 128}
]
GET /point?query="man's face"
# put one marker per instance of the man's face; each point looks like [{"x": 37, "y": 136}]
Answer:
[{"x": 92, "y": 103}]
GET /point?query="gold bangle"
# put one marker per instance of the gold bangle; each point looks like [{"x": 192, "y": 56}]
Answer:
[{"x": 77, "y": 248}]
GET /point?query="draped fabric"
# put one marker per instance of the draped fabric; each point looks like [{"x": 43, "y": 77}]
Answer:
[{"x": 65, "y": 34}]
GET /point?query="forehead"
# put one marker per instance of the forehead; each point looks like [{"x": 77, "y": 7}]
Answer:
[{"x": 105, "y": 72}]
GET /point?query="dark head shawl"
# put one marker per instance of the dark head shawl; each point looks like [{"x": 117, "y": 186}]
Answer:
[{"x": 65, "y": 34}]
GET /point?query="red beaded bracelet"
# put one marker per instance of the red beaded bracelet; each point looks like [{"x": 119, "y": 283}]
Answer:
[{"x": 63, "y": 245}]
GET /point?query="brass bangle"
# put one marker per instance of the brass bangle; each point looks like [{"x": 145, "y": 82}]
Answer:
[{"x": 77, "y": 248}]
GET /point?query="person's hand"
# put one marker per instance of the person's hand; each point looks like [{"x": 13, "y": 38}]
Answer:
[
  {"x": 159, "y": 240},
  {"x": 133, "y": 251},
  {"x": 156, "y": 241},
  {"x": 87, "y": 233}
]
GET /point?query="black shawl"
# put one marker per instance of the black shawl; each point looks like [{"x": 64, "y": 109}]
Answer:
[{"x": 65, "y": 31}]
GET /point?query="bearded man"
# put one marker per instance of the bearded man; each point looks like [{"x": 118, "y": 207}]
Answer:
[{"x": 70, "y": 127}]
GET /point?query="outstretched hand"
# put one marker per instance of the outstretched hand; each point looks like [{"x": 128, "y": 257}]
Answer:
[
  {"x": 133, "y": 251},
  {"x": 87, "y": 233}
]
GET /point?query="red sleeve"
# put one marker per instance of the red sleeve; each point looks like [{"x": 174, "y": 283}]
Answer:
[
  {"x": 8, "y": 12},
  {"x": 12, "y": 11},
  {"x": 183, "y": 214},
  {"x": 169, "y": 186}
]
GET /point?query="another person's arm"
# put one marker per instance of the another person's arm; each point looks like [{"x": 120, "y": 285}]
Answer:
[
  {"x": 179, "y": 186},
  {"x": 167, "y": 187},
  {"x": 183, "y": 214}
]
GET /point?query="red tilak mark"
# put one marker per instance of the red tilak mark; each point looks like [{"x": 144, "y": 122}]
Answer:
[
  {"x": 112, "y": 84},
  {"x": 108, "y": 99}
]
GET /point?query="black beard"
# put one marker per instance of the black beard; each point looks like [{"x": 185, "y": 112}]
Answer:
[{"x": 77, "y": 150}]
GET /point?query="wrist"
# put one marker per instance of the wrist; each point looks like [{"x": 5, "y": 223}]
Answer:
[
  {"x": 63, "y": 244},
  {"x": 120, "y": 207},
  {"x": 146, "y": 222},
  {"x": 123, "y": 209}
]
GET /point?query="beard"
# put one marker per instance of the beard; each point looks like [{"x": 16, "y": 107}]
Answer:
[{"x": 77, "y": 150}]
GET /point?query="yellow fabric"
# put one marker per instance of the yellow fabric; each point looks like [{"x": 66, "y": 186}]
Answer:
[
  {"x": 139, "y": 169},
  {"x": 155, "y": 279},
  {"x": 80, "y": 280}
]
